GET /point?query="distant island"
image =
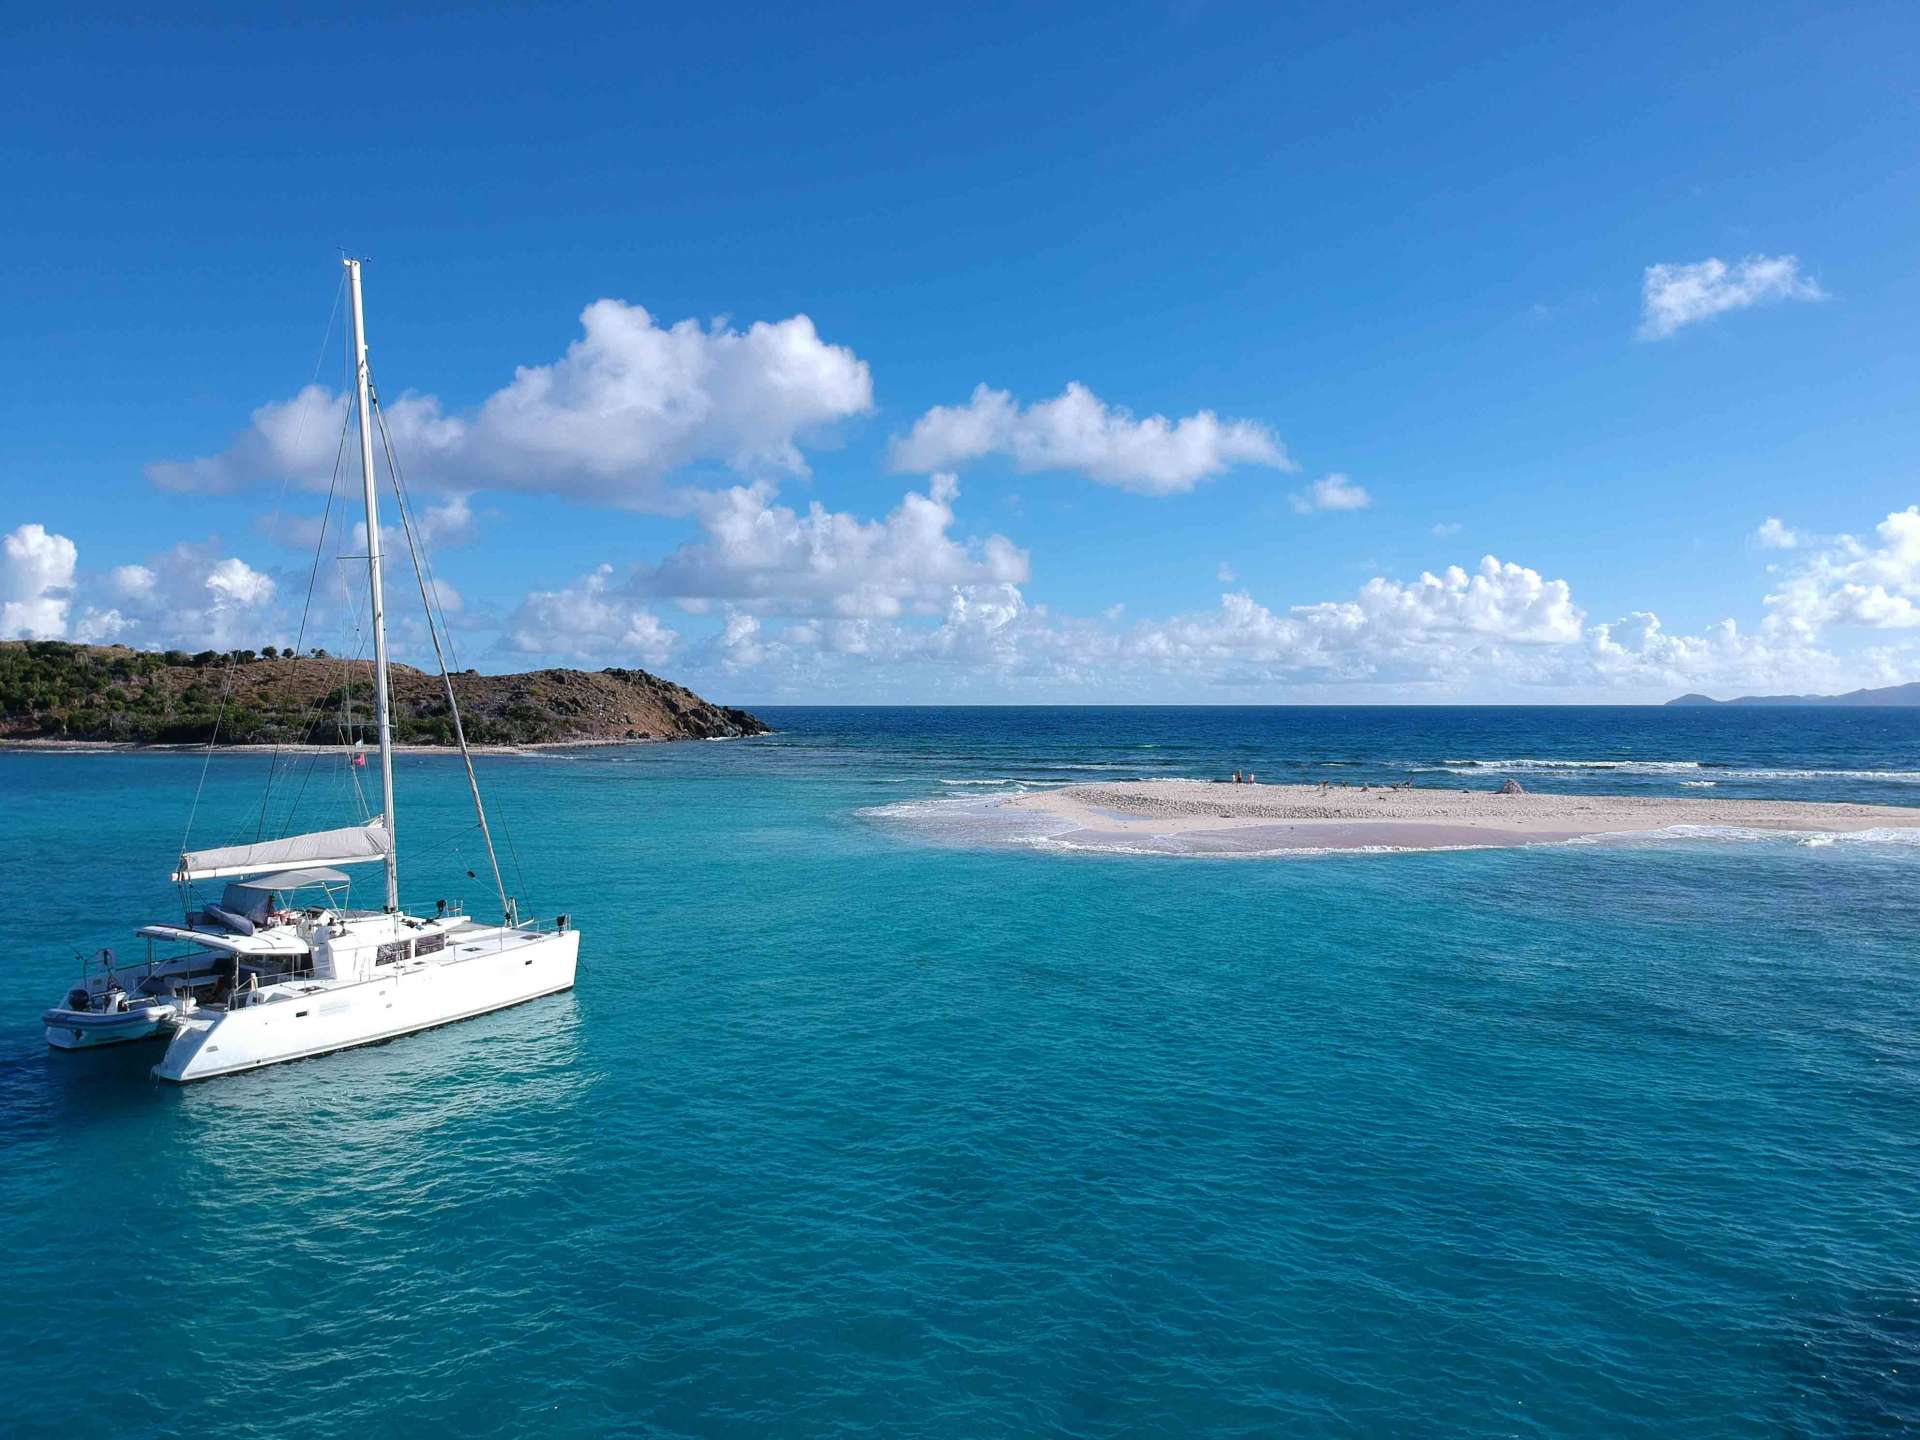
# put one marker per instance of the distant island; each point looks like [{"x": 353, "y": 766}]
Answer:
[
  {"x": 52, "y": 690},
  {"x": 1908, "y": 694}
]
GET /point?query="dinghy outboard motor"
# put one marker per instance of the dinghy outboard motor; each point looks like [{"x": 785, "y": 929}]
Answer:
[{"x": 79, "y": 999}]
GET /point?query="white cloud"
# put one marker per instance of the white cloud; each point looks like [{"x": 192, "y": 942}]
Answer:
[
  {"x": 1774, "y": 535},
  {"x": 739, "y": 641},
  {"x": 443, "y": 526},
  {"x": 101, "y": 627},
  {"x": 195, "y": 598},
  {"x": 1497, "y": 630},
  {"x": 1425, "y": 629},
  {"x": 590, "y": 620},
  {"x": 628, "y": 404},
  {"x": 132, "y": 582},
  {"x": 1638, "y": 652},
  {"x": 1447, "y": 527},
  {"x": 1455, "y": 628},
  {"x": 235, "y": 583},
  {"x": 1854, "y": 583},
  {"x": 828, "y": 563},
  {"x": 449, "y": 523},
  {"x": 297, "y": 438},
  {"x": 1508, "y": 601},
  {"x": 1077, "y": 431},
  {"x": 36, "y": 583},
  {"x": 1335, "y": 492},
  {"x": 1674, "y": 296},
  {"x": 1225, "y": 574}
]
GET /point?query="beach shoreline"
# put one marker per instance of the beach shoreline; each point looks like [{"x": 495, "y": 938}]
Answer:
[
  {"x": 127, "y": 747},
  {"x": 1205, "y": 817}
]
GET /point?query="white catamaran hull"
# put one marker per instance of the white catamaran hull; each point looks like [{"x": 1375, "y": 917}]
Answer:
[{"x": 480, "y": 972}]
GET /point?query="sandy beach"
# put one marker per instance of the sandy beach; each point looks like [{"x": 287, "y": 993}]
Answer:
[
  {"x": 123, "y": 747},
  {"x": 1204, "y": 817}
]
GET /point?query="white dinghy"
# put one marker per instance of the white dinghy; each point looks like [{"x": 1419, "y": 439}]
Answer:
[
  {"x": 282, "y": 968},
  {"x": 100, "y": 1010}
]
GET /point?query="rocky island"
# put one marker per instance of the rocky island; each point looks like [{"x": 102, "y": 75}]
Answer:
[
  {"x": 1901, "y": 695},
  {"x": 55, "y": 691}
]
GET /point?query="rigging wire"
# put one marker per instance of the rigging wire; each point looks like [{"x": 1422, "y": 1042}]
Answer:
[
  {"x": 429, "y": 597},
  {"x": 347, "y": 662},
  {"x": 300, "y": 636},
  {"x": 226, "y": 689},
  {"x": 314, "y": 715}
]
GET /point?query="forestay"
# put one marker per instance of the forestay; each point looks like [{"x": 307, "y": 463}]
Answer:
[{"x": 354, "y": 845}]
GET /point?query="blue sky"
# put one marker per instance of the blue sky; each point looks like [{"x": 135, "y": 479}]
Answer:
[{"x": 1414, "y": 248}]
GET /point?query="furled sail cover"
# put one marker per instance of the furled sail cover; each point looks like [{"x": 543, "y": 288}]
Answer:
[{"x": 355, "y": 845}]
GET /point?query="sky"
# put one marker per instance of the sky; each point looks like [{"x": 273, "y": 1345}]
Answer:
[{"x": 1183, "y": 353}]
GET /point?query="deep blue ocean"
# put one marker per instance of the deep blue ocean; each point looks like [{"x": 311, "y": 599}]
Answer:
[{"x": 870, "y": 1119}]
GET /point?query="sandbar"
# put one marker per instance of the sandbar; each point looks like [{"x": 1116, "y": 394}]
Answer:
[{"x": 1202, "y": 817}]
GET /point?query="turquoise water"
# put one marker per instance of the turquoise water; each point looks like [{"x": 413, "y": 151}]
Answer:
[{"x": 867, "y": 1118}]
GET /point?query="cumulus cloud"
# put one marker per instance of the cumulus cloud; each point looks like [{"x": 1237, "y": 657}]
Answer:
[
  {"x": 590, "y": 619},
  {"x": 1774, "y": 535},
  {"x": 1497, "y": 629},
  {"x": 1871, "y": 584},
  {"x": 1509, "y": 601},
  {"x": 1077, "y": 431},
  {"x": 739, "y": 641},
  {"x": 1335, "y": 492},
  {"x": 36, "y": 583},
  {"x": 1675, "y": 296},
  {"x": 629, "y": 403},
  {"x": 1422, "y": 629},
  {"x": 828, "y": 563},
  {"x": 193, "y": 596},
  {"x": 451, "y": 522},
  {"x": 1637, "y": 651},
  {"x": 442, "y": 526},
  {"x": 295, "y": 439}
]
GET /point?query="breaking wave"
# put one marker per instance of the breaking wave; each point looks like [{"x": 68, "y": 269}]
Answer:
[
  {"x": 1678, "y": 767},
  {"x": 1627, "y": 767},
  {"x": 1813, "y": 839}
]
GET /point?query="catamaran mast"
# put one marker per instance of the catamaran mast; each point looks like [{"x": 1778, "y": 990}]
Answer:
[{"x": 373, "y": 581}]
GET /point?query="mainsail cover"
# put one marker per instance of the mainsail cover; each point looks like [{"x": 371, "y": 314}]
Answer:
[{"x": 355, "y": 845}]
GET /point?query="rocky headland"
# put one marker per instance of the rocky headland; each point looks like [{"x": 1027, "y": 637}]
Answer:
[{"x": 51, "y": 691}]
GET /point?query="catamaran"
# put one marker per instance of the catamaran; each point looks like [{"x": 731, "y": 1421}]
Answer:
[{"x": 281, "y": 968}]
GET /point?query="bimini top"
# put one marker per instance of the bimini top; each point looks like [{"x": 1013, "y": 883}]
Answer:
[
  {"x": 354, "y": 845},
  {"x": 292, "y": 880}
]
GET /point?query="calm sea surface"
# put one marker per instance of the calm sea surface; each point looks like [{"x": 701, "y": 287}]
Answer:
[{"x": 870, "y": 1118}]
